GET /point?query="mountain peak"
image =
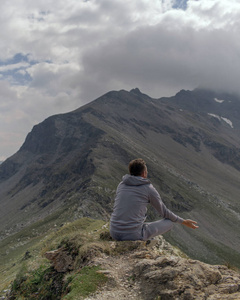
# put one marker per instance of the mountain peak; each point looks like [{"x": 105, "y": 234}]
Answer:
[{"x": 136, "y": 91}]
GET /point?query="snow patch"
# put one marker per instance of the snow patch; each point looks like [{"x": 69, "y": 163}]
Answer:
[
  {"x": 215, "y": 116},
  {"x": 229, "y": 122},
  {"x": 218, "y": 100}
]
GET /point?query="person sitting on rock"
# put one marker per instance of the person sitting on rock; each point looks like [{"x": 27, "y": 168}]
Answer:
[{"x": 133, "y": 195}]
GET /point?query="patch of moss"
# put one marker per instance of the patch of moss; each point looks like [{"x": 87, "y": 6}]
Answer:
[{"x": 85, "y": 282}]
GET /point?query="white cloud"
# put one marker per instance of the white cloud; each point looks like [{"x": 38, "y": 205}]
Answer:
[
  {"x": 214, "y": 13},
  {"x": 10, "y": 67},
  {"x": 74, "y": 51}
]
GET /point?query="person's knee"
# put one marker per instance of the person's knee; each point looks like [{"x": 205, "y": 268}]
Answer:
[
  {"x": 153, "y": 229},
  {"x": 170, "y": 224}
]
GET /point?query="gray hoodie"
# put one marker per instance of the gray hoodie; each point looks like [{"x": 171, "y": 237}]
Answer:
[{"x": 133, "y": 195}]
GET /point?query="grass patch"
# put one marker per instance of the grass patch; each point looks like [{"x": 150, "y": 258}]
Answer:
[
  {"x": 86, "y": 282},
  {"x": 80, "y": 232}
]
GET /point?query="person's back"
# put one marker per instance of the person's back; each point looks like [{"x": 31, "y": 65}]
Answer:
[
  {"x": 133, "y": 195},
  {"x": 130, "y": 205}
]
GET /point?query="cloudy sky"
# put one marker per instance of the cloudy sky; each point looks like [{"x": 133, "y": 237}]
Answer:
[{"x": 56, "y": 56}]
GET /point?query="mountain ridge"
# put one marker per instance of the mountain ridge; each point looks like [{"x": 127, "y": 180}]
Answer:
[{"x": 73, "y": 162}]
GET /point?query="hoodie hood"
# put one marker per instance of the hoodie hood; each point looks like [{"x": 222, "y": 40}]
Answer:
[{"x": 134, "y": 180}]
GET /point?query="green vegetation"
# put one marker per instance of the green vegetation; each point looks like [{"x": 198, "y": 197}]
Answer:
[
  {"x": 29, "y": 275},
  {"x": 42, "y": 283},
  {"x": 45, "y": 283},
  {"x": 85, "y": 282}
]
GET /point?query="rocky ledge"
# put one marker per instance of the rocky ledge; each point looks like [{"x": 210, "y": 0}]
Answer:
[{"x": 153, "y": 270}]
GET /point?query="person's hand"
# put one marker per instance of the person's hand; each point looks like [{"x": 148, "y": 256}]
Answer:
[{"x": 190, "y": 224}]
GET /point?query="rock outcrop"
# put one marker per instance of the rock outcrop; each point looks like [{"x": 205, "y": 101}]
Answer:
[
  {"x": 173, "y": 277},
  {"x": 61, "y": 259},
  {"x": 154, "y": 270}
]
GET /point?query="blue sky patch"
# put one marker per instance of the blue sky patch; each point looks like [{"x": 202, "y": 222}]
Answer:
[
  {"x": 15, "y": 69},
  {"x": 180, "y": 4}
]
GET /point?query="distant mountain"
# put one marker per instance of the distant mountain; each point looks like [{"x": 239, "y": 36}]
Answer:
[{"x": 70, "y": 164}]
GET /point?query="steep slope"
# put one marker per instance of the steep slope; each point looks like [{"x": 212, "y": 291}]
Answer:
[{"x": 70, "y": 165}]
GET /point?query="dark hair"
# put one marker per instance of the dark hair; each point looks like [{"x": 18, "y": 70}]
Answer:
[{"x": 136, "y": 167}]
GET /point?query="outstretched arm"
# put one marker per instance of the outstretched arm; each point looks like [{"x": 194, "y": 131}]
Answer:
[{"x": 190, "y": 224}]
